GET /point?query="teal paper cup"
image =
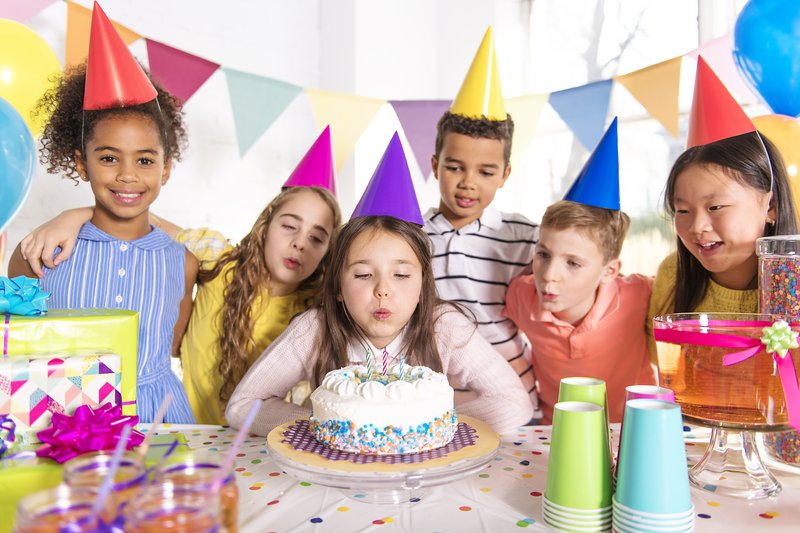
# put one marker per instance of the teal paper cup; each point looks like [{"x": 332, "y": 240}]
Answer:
[
  {"x": 652, "y": 475},
  {"x": 579, "y": 469}
]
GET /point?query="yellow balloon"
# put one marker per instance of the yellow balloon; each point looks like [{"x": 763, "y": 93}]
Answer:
[
  {"x": 26, "y": 63},
  {"x": 784, "y": 132}
]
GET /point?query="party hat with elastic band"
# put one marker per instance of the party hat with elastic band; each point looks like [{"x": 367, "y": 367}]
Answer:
[
  {"x": 390, "y": 192},
  {"x": 480, "y": 93},
  {"x": 715, "y": 113},
  {"x": 598, "y": 182},
  {"x": 113, "y": 76},
  {"x": 316, "y": 167}
]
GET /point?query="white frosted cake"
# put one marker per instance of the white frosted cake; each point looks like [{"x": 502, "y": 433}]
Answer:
[{"x": 384, "y": 413}]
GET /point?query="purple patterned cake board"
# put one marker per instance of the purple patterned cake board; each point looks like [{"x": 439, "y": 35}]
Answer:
[{"x": 300, "y": 438}]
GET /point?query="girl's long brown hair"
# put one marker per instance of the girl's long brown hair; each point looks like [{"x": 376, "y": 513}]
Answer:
[
  {"x": 743, "y": 158},
  {"x": 249, "y": 279},
  {"x": 338, "y": 328}
]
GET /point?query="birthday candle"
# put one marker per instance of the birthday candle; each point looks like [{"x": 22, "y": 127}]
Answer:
[
  {"x": 369, "y": 364},
  {"x": 385, "y": 361},
  {"x": 402, "y": 365}
]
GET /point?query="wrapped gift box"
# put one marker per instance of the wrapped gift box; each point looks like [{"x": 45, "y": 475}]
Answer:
[
  {"x": 70, "y": 330},
  {"x": 33, "y": 387},
  {"x": 20, "y": 477}
]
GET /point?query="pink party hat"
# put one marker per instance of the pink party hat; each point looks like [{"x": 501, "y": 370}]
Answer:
[
  {"x": 113, "y": 76},
  {"x": 390, "y": 192},
  {"x": 316, "y": 168}
]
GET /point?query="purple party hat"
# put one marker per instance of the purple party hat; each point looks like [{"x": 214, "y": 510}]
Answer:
[
  {"x": 598, "y": 182},
  {"x": 316, "y": 167},
  {"x": 390, "y": 192}
]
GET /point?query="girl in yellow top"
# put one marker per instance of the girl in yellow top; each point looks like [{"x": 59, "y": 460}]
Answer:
[
  {"x": 722, "y": 196},
  {"x": 250, "y": 295}
]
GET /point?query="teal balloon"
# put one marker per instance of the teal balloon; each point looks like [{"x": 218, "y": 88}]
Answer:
[
  {"x": 17, "y": 162},
  {"x": 767, "y": 52}
]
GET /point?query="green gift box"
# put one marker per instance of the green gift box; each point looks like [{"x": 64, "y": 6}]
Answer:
[
  {"x": 166, "y": 443},
  {"x": 20, "y": 477},
  {"x": 60, "y": 330}
]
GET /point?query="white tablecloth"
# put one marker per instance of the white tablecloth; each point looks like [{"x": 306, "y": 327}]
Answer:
[{"x": 505, "y": 496}]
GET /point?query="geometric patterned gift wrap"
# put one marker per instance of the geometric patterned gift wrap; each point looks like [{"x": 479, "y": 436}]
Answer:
[
  {"x": 34, "y": 386},
  {"x": 70, "y": 330}
]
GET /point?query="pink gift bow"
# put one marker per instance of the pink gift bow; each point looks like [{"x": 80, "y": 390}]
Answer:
[
  {"x": 89, "y": 429},
  {"x": 751, "y": 347}
]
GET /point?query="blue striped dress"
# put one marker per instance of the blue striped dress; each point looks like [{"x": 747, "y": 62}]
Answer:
[{"x": 144, "y": 275}]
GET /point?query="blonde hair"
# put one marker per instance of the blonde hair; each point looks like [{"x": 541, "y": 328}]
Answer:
[
  {"x": 249, "y": 278},
  {"x": 606, "y": 227}
]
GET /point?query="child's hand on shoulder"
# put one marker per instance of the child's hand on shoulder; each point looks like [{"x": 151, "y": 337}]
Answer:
[{"x": 39, "y": 246}]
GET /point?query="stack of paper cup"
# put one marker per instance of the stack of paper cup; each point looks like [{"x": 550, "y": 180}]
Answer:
[
  {"x": 578, "y": 493},
  {"x": 635, "y": 392},
  {"x": 652, "y": 479}
]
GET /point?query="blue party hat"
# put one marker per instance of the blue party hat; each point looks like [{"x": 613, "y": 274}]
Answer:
[
  {"x": 390, "y": 192},
  {"x": 598, "y": 182}
]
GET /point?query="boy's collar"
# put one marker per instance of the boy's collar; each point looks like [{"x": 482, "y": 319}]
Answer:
[{"x": 490, "y": 217}]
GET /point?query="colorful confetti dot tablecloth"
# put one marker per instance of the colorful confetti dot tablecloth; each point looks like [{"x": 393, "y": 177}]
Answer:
[{"x": 505, "y": 496}]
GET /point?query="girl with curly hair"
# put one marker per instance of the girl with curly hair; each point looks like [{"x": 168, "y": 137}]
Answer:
[{"x": 123, "y": 147}]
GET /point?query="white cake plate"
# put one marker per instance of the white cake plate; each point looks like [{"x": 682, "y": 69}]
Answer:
[{"x": 384, "y": 483}]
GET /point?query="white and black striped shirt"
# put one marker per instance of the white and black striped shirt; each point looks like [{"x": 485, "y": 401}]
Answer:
[{"x": 475, "y": 265}]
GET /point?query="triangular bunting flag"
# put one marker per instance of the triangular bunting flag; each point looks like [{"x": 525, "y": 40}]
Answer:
[
  {"x": 718, "y": 53},
  {"x": 348, "y": 116},
  {"x": 257, "y": 102},
  {"x": 656, "y": 88},
  {"x": 22, "y": 11},
  {"x": 418, "y": 119},
  {"x": 79, "y": 23},
  {"x": 524, "y": 111},
  {"x": 584, "y": 110},
  {"x": 179, "y": 72}
]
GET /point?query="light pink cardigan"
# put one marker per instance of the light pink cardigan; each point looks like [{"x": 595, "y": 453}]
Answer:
[{"x": 498, "y": 398}]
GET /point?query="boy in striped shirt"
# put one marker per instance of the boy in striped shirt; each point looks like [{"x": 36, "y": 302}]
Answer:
[{"x": 478, "y": 249}]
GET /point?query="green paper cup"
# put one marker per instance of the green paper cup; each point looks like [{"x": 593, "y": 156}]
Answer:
[
  {"x": 579, "y": 469},
  {"x": 580, "y": 389}
]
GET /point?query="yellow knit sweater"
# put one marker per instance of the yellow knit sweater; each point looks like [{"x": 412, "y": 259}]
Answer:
[{"x": 718, "y": 299}]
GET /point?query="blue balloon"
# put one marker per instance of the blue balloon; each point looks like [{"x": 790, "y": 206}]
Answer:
[
  {"x": 767, "y": 52},
  {"x": 17, "y": 161}
]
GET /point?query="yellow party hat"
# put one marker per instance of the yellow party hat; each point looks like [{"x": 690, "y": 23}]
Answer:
[{"x": 480, "y": 93}]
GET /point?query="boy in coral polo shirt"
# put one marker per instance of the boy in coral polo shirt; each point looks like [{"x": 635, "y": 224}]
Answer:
[{"x": 582, "y": 317}]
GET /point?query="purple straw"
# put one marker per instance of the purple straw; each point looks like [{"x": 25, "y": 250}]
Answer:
[
  {"x": 105, "y": 487},
  {"x": 227, "y": 463}
]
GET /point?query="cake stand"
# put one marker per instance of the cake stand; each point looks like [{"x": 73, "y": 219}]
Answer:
[
  {"x": 735, "y": 400},
  {"x": 386, "y": 483}
]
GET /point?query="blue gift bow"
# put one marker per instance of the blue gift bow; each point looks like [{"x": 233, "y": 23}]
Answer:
[{"x": 22, "y": 296}]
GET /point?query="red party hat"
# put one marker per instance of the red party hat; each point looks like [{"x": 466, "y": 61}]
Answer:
[
  {"x": 113, "y": 76},
  {"x": 316, "y": 167},
  {"x": 715, "y": 113}
]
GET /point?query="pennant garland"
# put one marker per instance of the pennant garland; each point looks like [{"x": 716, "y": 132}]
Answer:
[
  {"x": 419, "y": 119},
  {"x": 656, "y": 88},
  {"x": 348, "y": 115},
  {"x": 257, "y": 102},
  {"x": 179, "y": 72},
  {"x": 582, "y": 108},
  {"x": 79, "y": 23}
]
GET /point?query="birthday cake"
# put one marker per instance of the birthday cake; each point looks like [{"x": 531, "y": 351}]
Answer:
[{"x": 405, "y": 410}]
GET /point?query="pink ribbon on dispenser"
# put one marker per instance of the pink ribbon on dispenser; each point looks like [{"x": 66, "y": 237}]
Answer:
[
  {"x": 750, "y": 346},
  {"x": 89, "y": 429}
]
